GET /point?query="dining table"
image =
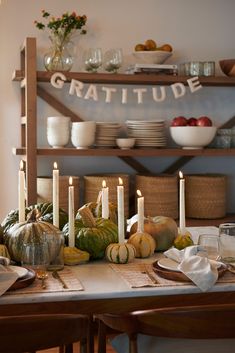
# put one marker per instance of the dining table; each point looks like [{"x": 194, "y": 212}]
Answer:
[{"x": 103, "y": 289}]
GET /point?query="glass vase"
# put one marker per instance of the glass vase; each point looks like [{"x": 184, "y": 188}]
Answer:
[{"x": 59, "y": 58}]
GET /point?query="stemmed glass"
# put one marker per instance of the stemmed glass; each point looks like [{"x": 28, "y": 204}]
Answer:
[
  {"x": 36, "y": 256},
  {"x": 92, "y": 59},
  {"x": 113, "y": 60}
]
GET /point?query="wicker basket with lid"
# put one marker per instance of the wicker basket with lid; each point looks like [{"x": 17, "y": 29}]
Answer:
[
  {"x": 93, "y": 185},
  {"x": 160, "y": 194},
  {"x": 205, "y": 196}
]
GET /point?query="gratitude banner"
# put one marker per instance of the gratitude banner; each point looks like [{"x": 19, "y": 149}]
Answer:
[{"x": 107, "y": 93}]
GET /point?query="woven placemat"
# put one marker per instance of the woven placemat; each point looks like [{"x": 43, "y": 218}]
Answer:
[
  {"x": 135, "y": 276},
  {"x": 52, "y": 284}
]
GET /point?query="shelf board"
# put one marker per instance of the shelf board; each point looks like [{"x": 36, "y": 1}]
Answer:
[
  {"x": 134, "y": 152},
  {"x": 129, "y": 79}
]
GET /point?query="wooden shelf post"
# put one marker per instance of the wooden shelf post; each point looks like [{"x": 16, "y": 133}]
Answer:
[{"x": 29, "y": 120}]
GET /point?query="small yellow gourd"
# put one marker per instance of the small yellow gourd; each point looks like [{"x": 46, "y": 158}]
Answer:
[
  {"x": 183, "y": 240},
  {"x": 74, "y": 256},
  {"x": 4, "y": 252},
  {"x": 144, "y": 244},
  {"x": 120, "y": 253}
]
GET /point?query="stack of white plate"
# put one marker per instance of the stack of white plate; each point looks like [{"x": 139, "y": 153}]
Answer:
[
  {"x": 106, "y": 134},
  {"x": 147, "y": 133}
]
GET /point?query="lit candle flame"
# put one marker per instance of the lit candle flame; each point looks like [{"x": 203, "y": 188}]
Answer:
[
  {"x": 70, "y": 180},
  {"x": 181, "y": 175},
  {"x": 55, "y": 165},
  {"x": 120, "y": 181},
  {"x": 21, "y": 165},
  {"x": 139, "y": 193},
  {"x": 104, "y": 184}
]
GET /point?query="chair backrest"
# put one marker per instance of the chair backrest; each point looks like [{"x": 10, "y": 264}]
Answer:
[
  {"x": 30, "y": 333},
  {"x": 196, "y": 322}
]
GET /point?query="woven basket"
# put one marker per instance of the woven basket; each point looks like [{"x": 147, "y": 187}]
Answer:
[
  {"x": 93, "y": 185},
  {"x": 44, "y": 191},
  {"x": 205, "y": 196},
  {"x": 160, "y": 194}
]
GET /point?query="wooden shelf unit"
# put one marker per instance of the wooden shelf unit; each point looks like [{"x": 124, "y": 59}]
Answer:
[
  {"x": 137, "y": 79},
  {"x": 29, "y": 77},
  {"x": 134, "y": 152}
]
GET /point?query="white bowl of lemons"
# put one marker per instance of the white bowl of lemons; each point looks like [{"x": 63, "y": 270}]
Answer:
[{"x": 150, "y": 53}]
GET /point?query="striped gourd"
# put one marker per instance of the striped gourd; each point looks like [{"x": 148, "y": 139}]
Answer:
[
  {"x": 144, "y": 244},
  {"x": 31, "y": 231},
  {"x": 120, "y": 253}
]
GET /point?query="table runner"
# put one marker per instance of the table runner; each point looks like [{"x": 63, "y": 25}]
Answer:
[
  {"x": 135, "y": 276},
  {"x": 52, "y": 284}
]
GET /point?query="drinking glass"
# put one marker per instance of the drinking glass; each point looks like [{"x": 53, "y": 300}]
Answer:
[
  {"x": 210, "y": 242},
  {"x": 227, "y": 242},
  {"x": 113, "y": 60},
  {"x": 36, "y": 256},
  {"x": 92, "y": 59},
  {"x": 55, "y": 241}
]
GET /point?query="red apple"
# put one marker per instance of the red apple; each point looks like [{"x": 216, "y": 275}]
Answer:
[
  {"x": 192, "y": 122},
  {"x": 204, "y": 121},
  {"x": 179, "y": 121}
]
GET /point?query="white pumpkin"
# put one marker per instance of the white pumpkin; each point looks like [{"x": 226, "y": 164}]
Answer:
[{"x": 120, "y": 253}]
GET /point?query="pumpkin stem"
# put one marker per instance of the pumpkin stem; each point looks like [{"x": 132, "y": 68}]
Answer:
[
  {"x": 98, "y": 201},
  {"x": 33, "y": 216},
  {"x": 87, "y": 217}
]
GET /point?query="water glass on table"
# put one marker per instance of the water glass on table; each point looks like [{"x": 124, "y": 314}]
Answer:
[
  {"x": 227, "y": 242},
  {"x": 55, "y": 241},
  {"x": 210, "y": 243},
  {"x": 36, "y": 257}
]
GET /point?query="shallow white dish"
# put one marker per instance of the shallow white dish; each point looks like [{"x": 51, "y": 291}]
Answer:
[
  {"x": 21, "y": 271},
  {"x": 168, "y": 264}
]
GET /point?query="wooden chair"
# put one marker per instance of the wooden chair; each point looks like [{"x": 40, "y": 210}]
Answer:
[
  {"x": 197, "y": 322},
  {"x": 20, "y": 334}
]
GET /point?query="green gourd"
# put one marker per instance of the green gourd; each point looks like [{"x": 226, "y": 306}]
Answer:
[{"x": 93, "y": 234}]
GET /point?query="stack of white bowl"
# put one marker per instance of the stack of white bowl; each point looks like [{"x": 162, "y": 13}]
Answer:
[
  {"x": 58, "y": 131},
  {"x": 106, "y": 134},
  {"x": 83, "y": 134}
]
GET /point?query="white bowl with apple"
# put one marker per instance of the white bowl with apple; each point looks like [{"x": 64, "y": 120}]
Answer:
[{"x": 192, "y": 133}]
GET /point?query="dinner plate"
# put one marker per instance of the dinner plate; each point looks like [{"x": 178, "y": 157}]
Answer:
[
  {"x": 168, "y": 264},
  {"x": 24, "y": 281},
  {"x": 174, "y": 275},
  {"x": 21, "y": 271}
]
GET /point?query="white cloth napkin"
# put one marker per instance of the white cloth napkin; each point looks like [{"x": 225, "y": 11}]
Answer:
[
  {"x": 7, "y": 275},
  {"x": 195, "y": 265}
]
